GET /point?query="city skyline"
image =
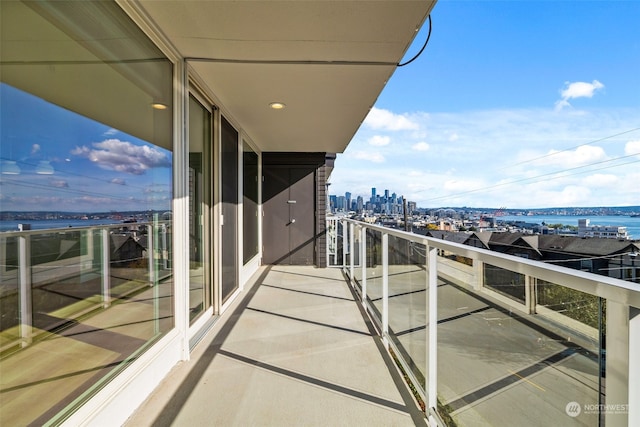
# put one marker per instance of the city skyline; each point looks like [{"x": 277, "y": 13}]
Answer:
[
  {"x": 391, "y": 194},
  {"x": 547, "y": 116}
]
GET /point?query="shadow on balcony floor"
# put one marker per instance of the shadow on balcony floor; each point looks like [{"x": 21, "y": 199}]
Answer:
[{"x": 294, "y": 350}]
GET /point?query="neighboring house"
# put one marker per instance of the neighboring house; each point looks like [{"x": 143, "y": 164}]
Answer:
[
  {"x": 608, "y": 257},
  {"x": 125, "y": 251}
]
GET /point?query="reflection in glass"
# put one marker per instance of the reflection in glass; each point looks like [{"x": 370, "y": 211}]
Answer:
[
  {"x": 86, "y": 286},
  {"x": 229, "y": 164},
  {"x": 249, "y": 203},
  {"x": 199, "y": 205},
  {"x": 357, "y": 271}
]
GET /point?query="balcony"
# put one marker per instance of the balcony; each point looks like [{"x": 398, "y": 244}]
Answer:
[
  {"x": 295, "y": 350},
  {"x": 483, "y": 338}
]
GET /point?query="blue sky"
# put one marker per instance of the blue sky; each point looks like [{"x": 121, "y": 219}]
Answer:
[
  {"x": 95, "y": 168},
  {"x": 513, "y": 103}
]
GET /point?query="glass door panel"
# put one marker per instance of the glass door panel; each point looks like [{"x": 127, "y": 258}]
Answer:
[
  {"x": 250, "y": 203},
  {"x": 229, "y": 143},
  {"x": 199, "y": 205}
]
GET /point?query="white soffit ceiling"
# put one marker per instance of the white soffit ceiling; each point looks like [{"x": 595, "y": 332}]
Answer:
[{"x": 326, "y": 60}]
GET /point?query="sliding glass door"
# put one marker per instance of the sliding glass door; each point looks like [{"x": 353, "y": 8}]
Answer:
[
  {"x": 249, "y": 203},
  {"x": 229, "y": 165},
  {"x": 200, "y": 197}
]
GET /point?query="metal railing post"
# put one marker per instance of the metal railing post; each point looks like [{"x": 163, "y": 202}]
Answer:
[
  {"x": 363, "y": 261},
  {"x": 432, "y": 322},
  {"x": 24, "y": 286},
  {"x": 634, "y": 367},
  {"x": 618, "y": 362},
  {"x": 385, "y": 287},
  {"x": 164, "y": 253},
  {"x": 529, "y": 294},
  {"x": 151, "y": 254},
  {"x": 344, "y": 243},
  {"x": 105, "y": 269},
  {"x": 478, "y": 272},
  {"x": 351, "y": 250}
]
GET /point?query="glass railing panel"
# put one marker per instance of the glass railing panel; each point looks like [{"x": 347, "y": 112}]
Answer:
[
  {"x": 65, "y": 277},
  {"x": 77, "y": 308},
  {"x": 336, "y": 245},
  {"x": 508, "y": 283},
  {"x": 500, "y": 365},
  {"x": 9, "y": 292},
  {"x": 374, "y": 272},
  {"x": 579, "y": 306},
  {"x": 346, "y": 236},
  {"x": 332, "y": 242},
  {"x": 357, "y": 270},
  {"x": 578, "y": 321},
  {"x": 408, "y": 303}
]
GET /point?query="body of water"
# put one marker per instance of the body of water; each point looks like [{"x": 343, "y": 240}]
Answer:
[
  {"x": 56, "y": 223},
  {"x": 632, "y": 224}
]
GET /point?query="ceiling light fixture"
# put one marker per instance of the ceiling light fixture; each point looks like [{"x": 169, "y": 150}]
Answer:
[
  {"x": 277, "y": 105},
  {"x": 159, "y": 106}
]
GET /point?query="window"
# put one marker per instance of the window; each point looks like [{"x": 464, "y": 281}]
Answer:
[{"x": 86, "y": 144}]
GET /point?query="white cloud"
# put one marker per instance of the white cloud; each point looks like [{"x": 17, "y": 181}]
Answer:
[
  {"x": 495, "y": 148},
  {"x": 35, "y": 148},
  {"x": 420, "y": 146},
  {"x": 118, "y": 181},
  {"x": 454, "y": 137},
  {"x": 111, "y": 132},
  {"x": 601, "y": 180},
  {"x": 577, "y": 90},
  {"x": 460, "y": 185},
  {"x": 156, "y": 188},
  {"x": 574, "y": 195},
  {"x": 379, "y": 140},
  {"x": 581, "y": 156},
  {"x": 632, "y": 148},
  {"x": 385, "y": 119},
  {"x": 371, "y": 156},
  {"x": 123, "y": 156}
]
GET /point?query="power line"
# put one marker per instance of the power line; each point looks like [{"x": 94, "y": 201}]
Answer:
[
  {"x": 569, "y": 148},
  {"x": 545, "y": 175}
]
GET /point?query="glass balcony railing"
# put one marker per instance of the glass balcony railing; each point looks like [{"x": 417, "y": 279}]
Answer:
[
  {"x": 77, "y": 305},
  {"x": 486, "y": 338}
]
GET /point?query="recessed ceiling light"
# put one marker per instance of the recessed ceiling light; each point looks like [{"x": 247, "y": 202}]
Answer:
[{"x": 277, "y": 105}]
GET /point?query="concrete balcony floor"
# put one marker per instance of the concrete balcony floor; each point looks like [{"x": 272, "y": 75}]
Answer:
[{"x": 294, "y": 349}]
